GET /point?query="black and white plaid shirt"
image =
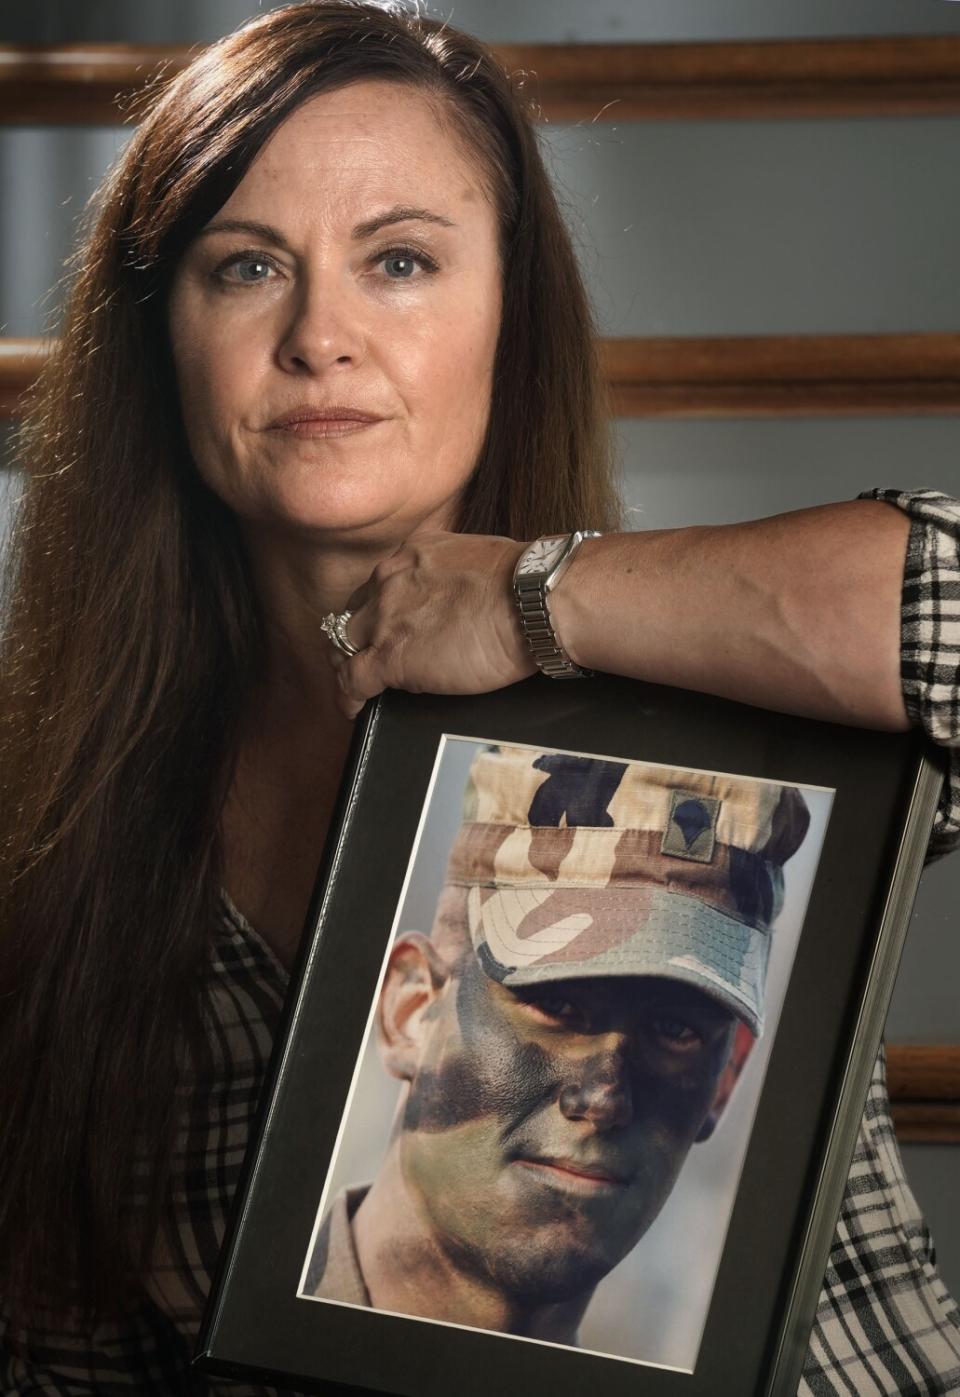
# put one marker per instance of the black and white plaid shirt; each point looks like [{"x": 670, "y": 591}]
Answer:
[{"x": 885, "y": 1323}]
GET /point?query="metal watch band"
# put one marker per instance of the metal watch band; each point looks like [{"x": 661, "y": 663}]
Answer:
[
  {"x": 531, "y": 593},
  {"x": 549, "y": 655}
]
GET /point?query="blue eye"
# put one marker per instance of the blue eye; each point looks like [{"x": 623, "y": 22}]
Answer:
[
  {"x": 405, "y": 266},
  {"x": 245, "y": 261},
  {"x": 406, "y": 260},
  {"x": 260, "y": 266}
]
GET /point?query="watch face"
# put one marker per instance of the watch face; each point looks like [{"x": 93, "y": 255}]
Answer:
[{"x": 541, "y": 556}]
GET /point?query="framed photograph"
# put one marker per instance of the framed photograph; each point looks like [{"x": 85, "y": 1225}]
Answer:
[{"x": 574, "y": 1059}]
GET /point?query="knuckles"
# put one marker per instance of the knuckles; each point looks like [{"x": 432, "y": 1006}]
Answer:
[{"x": 383, "y": 571}]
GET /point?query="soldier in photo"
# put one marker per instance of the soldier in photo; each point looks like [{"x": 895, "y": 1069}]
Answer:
[{"x": 572, "y": 1026}]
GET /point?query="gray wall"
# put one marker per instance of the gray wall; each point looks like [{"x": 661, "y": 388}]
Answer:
[{"x": 683, "y": 228}]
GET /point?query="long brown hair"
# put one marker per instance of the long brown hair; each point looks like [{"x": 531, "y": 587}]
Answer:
[{"x": 131, "y": 633}]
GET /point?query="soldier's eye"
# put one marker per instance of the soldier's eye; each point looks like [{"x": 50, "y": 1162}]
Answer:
[
  {"x": 555, "y": 1007},
  {"x": 559, "y": 1008},
  {"x": 677, "y": 1033}
]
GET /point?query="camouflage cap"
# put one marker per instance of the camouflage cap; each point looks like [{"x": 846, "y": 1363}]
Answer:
[{"x": 573, "y": 866}]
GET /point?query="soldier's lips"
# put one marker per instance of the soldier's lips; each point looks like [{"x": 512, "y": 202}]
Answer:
[{"x": 572, "y": 1176}]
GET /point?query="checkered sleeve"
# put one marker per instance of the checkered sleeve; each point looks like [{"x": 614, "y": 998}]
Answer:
[
  {"x": 930, "y": 637},
  {"x": 885, "y": 1322}
]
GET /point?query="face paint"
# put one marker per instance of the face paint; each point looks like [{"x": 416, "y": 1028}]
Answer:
[
  {"x": 458, "y": 1092},
  {"x": 544, "y": 1130}
]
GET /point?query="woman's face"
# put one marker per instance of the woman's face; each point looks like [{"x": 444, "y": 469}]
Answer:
[{"x": 355, "y": 266}]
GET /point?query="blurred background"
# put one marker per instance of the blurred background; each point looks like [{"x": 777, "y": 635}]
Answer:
[{"x": 765, "y": 198}]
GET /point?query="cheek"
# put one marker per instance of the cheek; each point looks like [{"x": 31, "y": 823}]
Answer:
[
  {"x": 516, "y": 1072},
  {"x": 445, "y": 374},
  {"x": 676, "y": 1096},
  {"x": 212, "y": 369},
  {"x": 196, "y": 402},
  {"x": 476, "y": 1068},
  {"x": 205, "y": 378},
  {"x": 473, "y": 343},
  {"x": 458, "y": 1115},
  {"x": 494, "y": 1080},
  {"x": 448, "y": 1168}
]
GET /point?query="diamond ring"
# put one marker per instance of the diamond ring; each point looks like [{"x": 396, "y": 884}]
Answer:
[{"x": 334, "y": 627}]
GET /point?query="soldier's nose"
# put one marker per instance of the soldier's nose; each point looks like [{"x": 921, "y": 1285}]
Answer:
[{"x": 600, "y": 1093}]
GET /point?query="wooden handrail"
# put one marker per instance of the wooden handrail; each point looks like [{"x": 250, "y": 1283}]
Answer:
[
  {"x": 872, "y": 76},
  {"x": 20, "y": 361},
  {"x": 755, "y": 78},
  {"x": 69, "y": 84},
  {"x": 784, "y": 375},
  {"x": 757, "y": 376},
  {"x": 924, "y": 1084},
  {"x": 924, "y": 1071}
]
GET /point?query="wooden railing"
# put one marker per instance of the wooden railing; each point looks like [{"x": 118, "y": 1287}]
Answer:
[
  {"x": 924, "y": 1082},
  {"x": 905, "y": 75},
  {"x": 784, "y": 376},
  {"x": 765, "y": 376}
]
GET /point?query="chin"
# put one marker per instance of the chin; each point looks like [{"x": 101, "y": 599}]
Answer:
[
  {"x": 329, "y": 513},
  {"x": 547, "y": 1275},
  {"x": 324, "y": 521}
]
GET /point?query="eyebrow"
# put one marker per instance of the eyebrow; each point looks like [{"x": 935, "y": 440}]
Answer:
[{"x": 400, "y": 213}]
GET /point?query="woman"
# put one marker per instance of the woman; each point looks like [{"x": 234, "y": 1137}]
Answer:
[{"x": 327, "y": 349}]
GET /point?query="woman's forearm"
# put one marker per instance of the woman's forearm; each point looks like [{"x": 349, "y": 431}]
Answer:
[{"x": 799, "y": 612}]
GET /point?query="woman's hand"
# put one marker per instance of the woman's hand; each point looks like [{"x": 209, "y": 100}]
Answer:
[{"x": 438, "y": 616}]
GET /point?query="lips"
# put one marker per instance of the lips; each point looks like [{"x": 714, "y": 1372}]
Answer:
[
  {"x": 573, "y": 1173},
  {"x": 337, "y": 412}
]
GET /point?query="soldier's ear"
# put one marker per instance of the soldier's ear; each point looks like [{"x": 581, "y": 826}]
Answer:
[
  {"x": 743, "y": 1041},
  {"x": 415, "y": 977}
]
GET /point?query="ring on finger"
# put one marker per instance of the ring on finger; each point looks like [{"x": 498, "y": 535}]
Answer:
[{"x": 334, "y": 627}]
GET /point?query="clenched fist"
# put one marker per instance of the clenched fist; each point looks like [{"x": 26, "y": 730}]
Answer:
[{"x": 438, "y": 616}]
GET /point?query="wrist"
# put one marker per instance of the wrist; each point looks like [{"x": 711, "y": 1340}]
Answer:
[
  {"x": 570, "y": 602},
  {"x": 514, "y": 641},
  {"x": 540, "y": 568}
]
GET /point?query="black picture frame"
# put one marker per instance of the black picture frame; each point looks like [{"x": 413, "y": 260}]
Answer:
[{"x": 771, "y": 1269}]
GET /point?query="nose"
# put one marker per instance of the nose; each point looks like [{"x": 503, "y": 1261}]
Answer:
[
  {"x": 322, "y": 328},
  {"x": 601, "y": 1093}
]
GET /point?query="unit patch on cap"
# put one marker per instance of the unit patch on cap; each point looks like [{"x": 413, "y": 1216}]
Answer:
[{"x": 691, "y": 831}]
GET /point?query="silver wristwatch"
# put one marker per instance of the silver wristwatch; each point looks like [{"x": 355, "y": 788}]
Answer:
[{"x": 539, "y": 569}]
